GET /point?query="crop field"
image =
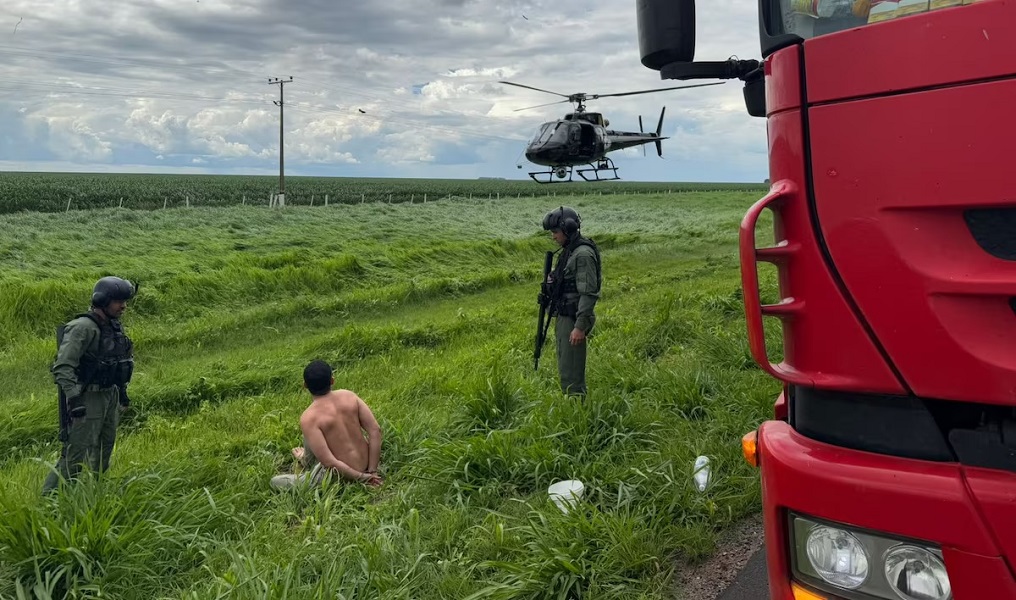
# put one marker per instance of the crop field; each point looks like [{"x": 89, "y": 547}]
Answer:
[
  {"x": 428, "y": 312},
  {"x": 53, "y": 192}
]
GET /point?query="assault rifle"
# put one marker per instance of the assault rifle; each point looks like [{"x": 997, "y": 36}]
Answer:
[{"x": 548, "y": 307}]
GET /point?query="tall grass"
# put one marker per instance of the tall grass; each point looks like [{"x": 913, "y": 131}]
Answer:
[{"x": 427, "y": 313}]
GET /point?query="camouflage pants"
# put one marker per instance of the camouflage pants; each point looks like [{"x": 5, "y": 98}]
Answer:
[
  {"x": 571, "y": 360},
  {"x": 317, "y": 475},
  {"x": 90, "y": 439}
]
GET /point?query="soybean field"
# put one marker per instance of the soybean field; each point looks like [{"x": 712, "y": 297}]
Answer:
[
  {"x": 52, "y": 192},
  {"x": 427, "y": 311}
]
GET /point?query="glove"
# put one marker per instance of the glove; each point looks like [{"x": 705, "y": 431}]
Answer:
[{"x": 125, "y": 400}]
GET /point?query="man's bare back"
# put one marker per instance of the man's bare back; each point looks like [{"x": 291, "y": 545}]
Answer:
[{"x": 333, "y": 427}]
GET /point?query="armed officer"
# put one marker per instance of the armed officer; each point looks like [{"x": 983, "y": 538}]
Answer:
[
  {"x": 94, "y": 364},
  {"x": 576, "y": 282}
]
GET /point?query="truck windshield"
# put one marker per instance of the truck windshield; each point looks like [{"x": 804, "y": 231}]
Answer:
[{"x": 812, "y": 18}]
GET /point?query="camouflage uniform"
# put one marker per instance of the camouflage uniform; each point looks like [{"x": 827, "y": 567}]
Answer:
[
  {"x": 578, "y": 275},
  {"x": 93, "y": 365}
]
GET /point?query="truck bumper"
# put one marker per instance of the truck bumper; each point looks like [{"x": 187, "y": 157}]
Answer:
[{"x": 884, "y": 495}]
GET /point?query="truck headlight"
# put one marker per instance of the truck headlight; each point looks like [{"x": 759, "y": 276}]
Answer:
[
  {"x": 916, "y": 574},
  {"x": 838, "y": 557},
  {"x": 846, "y": 561}
]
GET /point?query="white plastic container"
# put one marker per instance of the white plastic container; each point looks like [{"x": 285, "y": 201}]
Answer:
[
  {"x": 566, "y": 494},
  {"x": 701, "y": 473}
]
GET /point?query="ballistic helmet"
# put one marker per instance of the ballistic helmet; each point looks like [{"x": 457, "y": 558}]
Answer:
[
  {"x": 563, "y": 218},
  {"x": 109, "y": 289}
]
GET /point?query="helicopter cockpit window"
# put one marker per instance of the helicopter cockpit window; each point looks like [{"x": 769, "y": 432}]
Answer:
[
  {"x": 549, "y": 132},
  {"x": 541, "y": 132}
]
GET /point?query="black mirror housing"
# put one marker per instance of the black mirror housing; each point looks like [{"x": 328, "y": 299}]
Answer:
[{"x": 666, "y": 32}]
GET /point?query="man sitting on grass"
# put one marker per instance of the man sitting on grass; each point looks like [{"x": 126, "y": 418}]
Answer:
[{"x": 333, "y": 434}]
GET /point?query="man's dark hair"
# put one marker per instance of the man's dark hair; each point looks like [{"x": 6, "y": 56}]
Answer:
[{"x": 317, "y": 376}]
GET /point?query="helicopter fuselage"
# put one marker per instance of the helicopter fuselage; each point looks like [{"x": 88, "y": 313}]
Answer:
[
  {"x": 568, "y": 142},
  {"x": 582, "y": 138}
]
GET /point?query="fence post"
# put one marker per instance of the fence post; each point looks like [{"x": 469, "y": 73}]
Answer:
[
  {"x": 164, "y": 202},
  {"x": 187, "y": 200},
  {"x": 363, "y": 198},
  {"x": 244, "y": 203},
  {"x": 312, "y": 199},
  {"x": 68, "y": 204},
  {"x": 389, "y": 198},
  {"x": 412, "y": 197},
  {"x": 425, "y": 198},
  {"x": 121, "y": 201}
]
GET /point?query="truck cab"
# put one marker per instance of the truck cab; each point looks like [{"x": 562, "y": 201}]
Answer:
[{"x": 888, "y": 469}]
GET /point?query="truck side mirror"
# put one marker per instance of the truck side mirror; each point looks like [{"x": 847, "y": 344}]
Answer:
[{"x": 666, "y": 32}]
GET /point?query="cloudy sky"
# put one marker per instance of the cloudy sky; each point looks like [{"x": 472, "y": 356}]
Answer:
[{"x": 401, "y": 88}]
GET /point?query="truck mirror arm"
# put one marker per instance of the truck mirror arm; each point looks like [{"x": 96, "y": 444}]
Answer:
[
  {"x": 748, "y": 71},
  {"x": 722, "y": 69}
]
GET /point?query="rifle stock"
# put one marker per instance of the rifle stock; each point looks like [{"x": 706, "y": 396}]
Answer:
[{"x": 546, "y": 302}]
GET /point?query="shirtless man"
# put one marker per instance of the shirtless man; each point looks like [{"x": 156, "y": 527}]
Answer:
[{"x": 333, "y": 427}]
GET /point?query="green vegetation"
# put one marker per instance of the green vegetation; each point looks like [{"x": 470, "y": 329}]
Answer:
[
  {"x": 428, "y": 312},
  {"x": 51, "y": 192}
]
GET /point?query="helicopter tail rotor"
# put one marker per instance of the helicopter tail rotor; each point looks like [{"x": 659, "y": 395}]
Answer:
[
  {"x": 659, "y": 130},
  {"x": 641, "y": 130}
]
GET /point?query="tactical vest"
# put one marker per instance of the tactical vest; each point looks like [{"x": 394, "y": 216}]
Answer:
[
  {"x": 566, "y": 306},
  {"x": 569, "y": 286},
  {"x": 114, "y": 362}
]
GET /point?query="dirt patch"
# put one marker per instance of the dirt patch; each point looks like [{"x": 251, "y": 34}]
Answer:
[{"x": 707, "y": 580}]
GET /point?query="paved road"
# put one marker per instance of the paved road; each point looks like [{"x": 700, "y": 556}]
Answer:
[{"x": 752, "y": 581}]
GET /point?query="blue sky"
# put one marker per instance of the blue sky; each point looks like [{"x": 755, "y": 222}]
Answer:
[{"x": 394, "y": 88}]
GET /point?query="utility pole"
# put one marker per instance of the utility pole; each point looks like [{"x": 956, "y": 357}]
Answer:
[{"x": 282, "y": 164}]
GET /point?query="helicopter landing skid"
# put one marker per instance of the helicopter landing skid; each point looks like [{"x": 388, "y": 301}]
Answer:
[
  {"x": 602, "y": 165},
  {"x": 563, "y": 174}
]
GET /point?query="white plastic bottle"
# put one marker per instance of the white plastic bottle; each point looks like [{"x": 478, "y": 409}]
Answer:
[{"x": 701, "y": 473}]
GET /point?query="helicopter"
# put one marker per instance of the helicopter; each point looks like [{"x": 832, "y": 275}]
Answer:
[{"x": 582, "y": 138}]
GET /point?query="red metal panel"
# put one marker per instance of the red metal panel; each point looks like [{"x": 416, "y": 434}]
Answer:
[
  {"x": 783, "y": 80},
  {"x": 996, "y": 494},
  {"x": 941, "y": 47},
  {"x": 983, "y": 576},
  {"x": 918, "y": 499},
  {"x": 896, "y": 496},
  {"x": 824, "y": 343},
  {"x": 892, "y": 178}
]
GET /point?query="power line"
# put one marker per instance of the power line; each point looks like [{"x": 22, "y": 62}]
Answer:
[{"x": 53, "y": 88}]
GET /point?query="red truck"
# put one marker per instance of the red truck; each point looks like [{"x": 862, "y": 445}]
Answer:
[{"x": 889, "y": 467}]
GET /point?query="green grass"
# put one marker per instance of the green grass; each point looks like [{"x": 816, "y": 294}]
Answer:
[{"x": 428, "y": 312}]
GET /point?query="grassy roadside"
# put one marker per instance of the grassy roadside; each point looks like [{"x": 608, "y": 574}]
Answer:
[{"x": 427, "y": 311}]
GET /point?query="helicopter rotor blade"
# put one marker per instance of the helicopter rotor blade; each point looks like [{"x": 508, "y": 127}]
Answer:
[
  {"x": 540, "y": 105},
  {"x": 529, "y": 87},
  {"x": 680, "y": 87}
]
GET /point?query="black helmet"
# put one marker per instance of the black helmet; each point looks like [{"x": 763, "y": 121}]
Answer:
[
  {"x": 108, "y": 289},
  {"x": 563, "y": 218}
]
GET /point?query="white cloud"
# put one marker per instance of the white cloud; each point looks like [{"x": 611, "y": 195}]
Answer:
[{"x": 164, "y": 82}]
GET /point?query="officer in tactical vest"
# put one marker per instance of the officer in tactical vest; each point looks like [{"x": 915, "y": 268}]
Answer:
[
  {"x": 94, "y": 364},
  {"x": 577, "y": 279}
]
